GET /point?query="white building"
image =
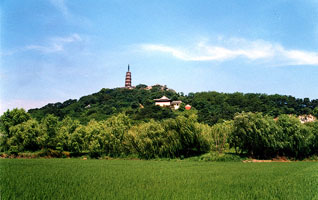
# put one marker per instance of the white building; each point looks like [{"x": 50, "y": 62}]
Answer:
[
  {"x": 163, "y": 102},
  {"x": 176, "y": 104},
  {"x": 166, "y": 102}
]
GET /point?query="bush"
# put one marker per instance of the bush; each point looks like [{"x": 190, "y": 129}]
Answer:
[{"x": 218, "y": 157}]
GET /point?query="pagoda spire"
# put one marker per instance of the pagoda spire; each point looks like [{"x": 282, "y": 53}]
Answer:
[{"x": 128, "y": 67}]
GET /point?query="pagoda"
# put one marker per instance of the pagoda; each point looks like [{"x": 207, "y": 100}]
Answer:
[{"x": 128, "y": 79}]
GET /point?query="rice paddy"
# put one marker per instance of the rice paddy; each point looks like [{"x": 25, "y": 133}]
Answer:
[{"x": 141, "y": 179}]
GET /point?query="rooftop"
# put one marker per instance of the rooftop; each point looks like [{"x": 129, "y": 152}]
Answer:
[{"x": 164, "y": 98}]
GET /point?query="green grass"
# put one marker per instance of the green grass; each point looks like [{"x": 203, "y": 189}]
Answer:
[{"x": 137, "y": 179}]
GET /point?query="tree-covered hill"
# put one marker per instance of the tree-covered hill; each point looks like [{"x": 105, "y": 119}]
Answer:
[
  {"x": 125, "y": 122},
  {"x": 107, "y": 102},
  {"x": 138, "y": 103},
  {"x": 214, "y": 107}
]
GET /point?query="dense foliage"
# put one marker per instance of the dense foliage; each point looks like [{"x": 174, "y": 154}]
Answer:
[
  {"x": 253, "y": 134},
  {"x": 116, "y": 136},
  {"x": 215, "y": 107},
  {"x": 263, "y": 137},
  {"x": 120, "y": 122},
  {"x": 182, "y": 137},
  {"x": 212, "y": 107},
  {"x": 138, "y": 103}
]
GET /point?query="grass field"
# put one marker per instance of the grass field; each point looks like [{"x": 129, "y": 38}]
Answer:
[{"x": 136, "y": 179}]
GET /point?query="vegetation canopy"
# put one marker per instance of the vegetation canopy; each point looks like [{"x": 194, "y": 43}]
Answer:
[{"x": 125, "y": 122}]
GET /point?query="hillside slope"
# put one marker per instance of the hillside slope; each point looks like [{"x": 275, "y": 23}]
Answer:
[
  {"x": 212, "y": 107},
  {"x": 107, "y": 102}
]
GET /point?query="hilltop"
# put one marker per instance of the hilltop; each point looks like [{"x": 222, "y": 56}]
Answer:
[{"x": 212, "y": 107}]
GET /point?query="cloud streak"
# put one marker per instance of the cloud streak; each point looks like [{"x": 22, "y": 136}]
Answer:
[
  {"x": 61, "y": 6},
  {"x": 69, "y": 16},
  {"x": 55, "y": 44},
  {"x": 254, "y": 51}
]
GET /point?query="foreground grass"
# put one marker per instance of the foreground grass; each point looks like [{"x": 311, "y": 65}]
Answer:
[{"x": 136, "y": 179}]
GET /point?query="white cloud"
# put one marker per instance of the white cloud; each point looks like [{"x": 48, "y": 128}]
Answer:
[
  {"x": 55, "y": 44},
  {"x": 69, "y": 16},
  {"x": 61, "y": 6},
  {"x": 297, "y": 57},
  {"x": 235, "y": 48}
]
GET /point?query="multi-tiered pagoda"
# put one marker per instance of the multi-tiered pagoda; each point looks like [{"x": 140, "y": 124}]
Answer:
[{"x": 128, "y": 79}]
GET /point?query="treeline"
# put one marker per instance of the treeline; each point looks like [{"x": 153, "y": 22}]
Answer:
[
  {"x": 264, "y": 137},
  {"x": 212, "y": 107},
  {"x": 215, "y": 107},
  {"x": 252, "y": 134},
  {"x": 116, "y": 136}
]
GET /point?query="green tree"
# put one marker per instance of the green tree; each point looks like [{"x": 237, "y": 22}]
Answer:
[
  {"x": 8, "y": 120},
  {"x": 147, "y": 140},
  {"x": 219, "y": 133},
  {"x": 66, "y": 128},
  {"x": 313, "y": 126},
  {"x": 94, "y": 132},
  {"x": 23, "y": 137},
  {"x": 180, "y": 137},
  {"x": 77, "y": 143},
  {"x": 12, "y": 118},
  {"x": 315, "y": 112},
  {"x": 296, "y": 137},
  {"x": 141, "y": 86},
  {"x": 49, "y": 130},
  {"x": 256, "y": 135},
  {"x": 113, "y": 135}
]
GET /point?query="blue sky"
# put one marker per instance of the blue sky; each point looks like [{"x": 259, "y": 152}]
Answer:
[{"x": 54, "y": 50}]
